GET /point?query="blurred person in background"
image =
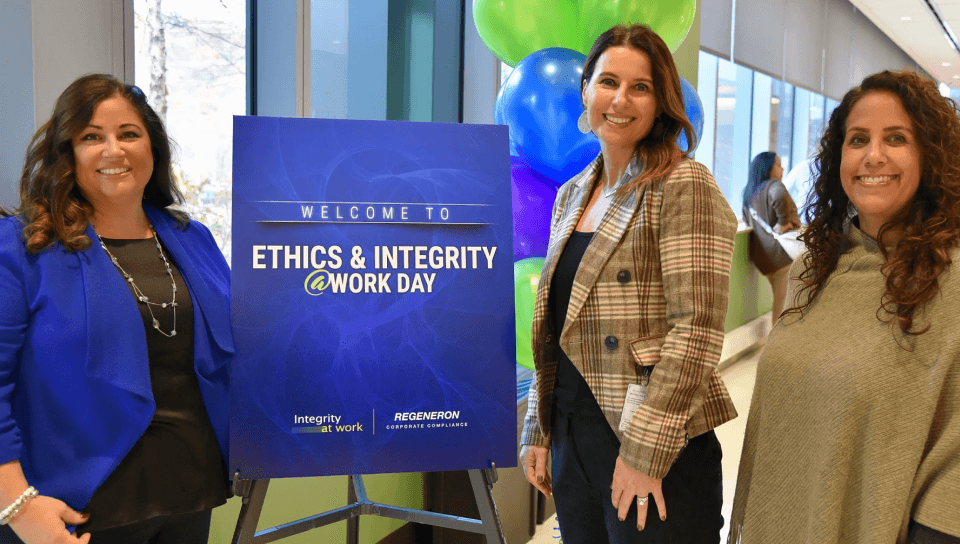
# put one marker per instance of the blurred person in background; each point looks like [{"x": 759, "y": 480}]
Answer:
[{"x": 769, "y": 210}]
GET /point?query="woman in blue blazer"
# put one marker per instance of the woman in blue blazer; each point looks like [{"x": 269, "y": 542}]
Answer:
[{"x": 114, "y": 335}]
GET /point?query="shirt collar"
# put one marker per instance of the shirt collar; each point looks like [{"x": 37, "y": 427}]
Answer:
[{"x": 634, "y": 169}]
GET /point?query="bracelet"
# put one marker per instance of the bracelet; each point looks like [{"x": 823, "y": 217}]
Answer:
[{"x": 7, "y": 513}]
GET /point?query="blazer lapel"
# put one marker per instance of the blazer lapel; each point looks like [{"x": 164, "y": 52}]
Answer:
[
  {"x": 569, "y": 217},
  {"x": 116, "y": 340},
  {"x": 605, "y": 240},
  {"x": 194, "y": 262}
]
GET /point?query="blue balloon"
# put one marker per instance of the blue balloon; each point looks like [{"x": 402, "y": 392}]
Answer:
[
  {"x": 540, "y": 102},
  {"x": 694, "y": 109}
]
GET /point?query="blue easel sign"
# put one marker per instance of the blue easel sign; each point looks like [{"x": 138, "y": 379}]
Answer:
[{"x": 373, "y": 304}]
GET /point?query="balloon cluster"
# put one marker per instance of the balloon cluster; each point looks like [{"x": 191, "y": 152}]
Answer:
[{"x": 541, "y": 101}]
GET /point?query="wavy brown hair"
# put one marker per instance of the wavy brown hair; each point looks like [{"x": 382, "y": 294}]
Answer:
[
  {"x": 929, "y": 226},
  {"x": 51, "y": 204},
  {"x": 658, "y": 150}
]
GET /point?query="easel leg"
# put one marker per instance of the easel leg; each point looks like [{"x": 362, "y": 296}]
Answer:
[
  {"x": 353, "y": 524},
  {"x": 250, "y": 512},
  {"x": 482, "y": 482}
]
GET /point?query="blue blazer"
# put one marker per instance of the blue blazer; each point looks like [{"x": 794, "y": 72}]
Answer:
[{"x": 75, "y": 393}]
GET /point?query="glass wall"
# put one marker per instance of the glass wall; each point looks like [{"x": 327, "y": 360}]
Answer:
[
  {"x": 385, "y": 59},
  {"x": 733, "y": 129},
  {"x": 377, "y": 59},
  {"x": 748, "y": 112},
  {"x": 329, "y": 77},
  {"x": 190, "y": 60}
]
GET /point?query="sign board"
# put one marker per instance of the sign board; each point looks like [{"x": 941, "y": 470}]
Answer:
[{"x": 372, "y": 298}]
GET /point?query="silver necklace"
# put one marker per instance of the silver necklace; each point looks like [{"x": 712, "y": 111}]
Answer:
[{"x": 139, "y": 294}]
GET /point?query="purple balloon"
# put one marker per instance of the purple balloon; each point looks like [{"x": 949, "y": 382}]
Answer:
[{"x": 533, "y": 196}]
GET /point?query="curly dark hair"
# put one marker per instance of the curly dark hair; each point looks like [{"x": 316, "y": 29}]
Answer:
[
  {"x": 929, "y": 227},
  {"x": 51, "y": 205},
  {"x": 659, "y": 150}
]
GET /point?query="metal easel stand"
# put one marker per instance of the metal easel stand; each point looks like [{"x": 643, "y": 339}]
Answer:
[{"x": 254, "y": 492}]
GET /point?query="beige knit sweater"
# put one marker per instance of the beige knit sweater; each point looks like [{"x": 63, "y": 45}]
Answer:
[{"x": 854, "y": 428}]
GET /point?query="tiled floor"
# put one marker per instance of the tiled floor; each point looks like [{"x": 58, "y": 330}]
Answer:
[{"x": 739, "y": 379}]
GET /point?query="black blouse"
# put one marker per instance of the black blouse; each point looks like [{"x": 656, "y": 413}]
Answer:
[
  {"x": 176, "y": 466},
  {"x": 571, "y": 394}
]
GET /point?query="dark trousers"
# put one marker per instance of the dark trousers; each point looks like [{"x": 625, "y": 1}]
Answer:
[
  {"x": 181, "y": 529},
  {"x": 585, "y": 450},
  {"x": 921, "y": 534}
]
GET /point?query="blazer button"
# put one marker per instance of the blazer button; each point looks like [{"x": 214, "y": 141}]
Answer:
[
  {"x": 548, "y": 339},
  {"x": 611, "y": 342},
  {"x": 623, "y": 276}
]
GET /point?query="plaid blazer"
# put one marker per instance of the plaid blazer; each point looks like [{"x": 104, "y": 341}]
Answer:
[{"x": 651, "y": 291}]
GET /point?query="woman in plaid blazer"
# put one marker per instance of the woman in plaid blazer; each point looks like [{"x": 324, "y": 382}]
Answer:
[{"x": 629, "y": 318}]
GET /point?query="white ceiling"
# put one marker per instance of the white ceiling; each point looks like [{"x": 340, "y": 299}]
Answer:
[{"x": 921, "y": 36}]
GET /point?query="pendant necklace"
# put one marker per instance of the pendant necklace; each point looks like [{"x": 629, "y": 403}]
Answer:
[{"x": 139, "y": 294}]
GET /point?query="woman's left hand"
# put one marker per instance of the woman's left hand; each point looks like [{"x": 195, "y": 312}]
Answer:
[{"x": 628, "y": 485}]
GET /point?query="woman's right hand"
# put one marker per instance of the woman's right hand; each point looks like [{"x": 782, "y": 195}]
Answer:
[
  {"x": 788, "y": 226},
  {"x": 533, "y": 459},
  {"x": 43, "y": 520}
]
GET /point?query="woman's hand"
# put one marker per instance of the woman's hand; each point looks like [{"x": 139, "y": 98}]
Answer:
[
  {"x": 43, "y": 520},
  {"x": 788, "y": 226},
  {"x": 533, "y": 459},
  {"x": 629, "y": 484}
]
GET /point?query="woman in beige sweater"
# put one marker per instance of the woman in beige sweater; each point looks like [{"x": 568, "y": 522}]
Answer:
[{"x": 854, "y": 428}]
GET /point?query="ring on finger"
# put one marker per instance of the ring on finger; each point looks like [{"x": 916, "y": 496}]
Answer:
[{"x": 642, "y": 501}]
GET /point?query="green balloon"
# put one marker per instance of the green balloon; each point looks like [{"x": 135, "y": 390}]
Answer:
[
  {"x": 526, "y": 278},
  {"x": 670, "y": 19},
  {"x": 513, "y": 29}
]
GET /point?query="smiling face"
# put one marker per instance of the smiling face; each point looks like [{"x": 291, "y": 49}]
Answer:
[
  {"x": 880, "y": 165},
  {"x": 113, "y": 159},
  {"x": 619, "y": 98}
]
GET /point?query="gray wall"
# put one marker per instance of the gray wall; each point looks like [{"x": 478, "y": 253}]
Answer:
[
  {"x": 16, "y": 94},
  {"x": 826, "y": 46},
  {"x": 45, "y": 45}
]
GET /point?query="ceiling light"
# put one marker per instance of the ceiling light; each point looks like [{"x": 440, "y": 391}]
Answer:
[
  {"x": 956, "y": 77},
  {"x": 906, "y": 18},
  {"x": 945, "y": 64}
]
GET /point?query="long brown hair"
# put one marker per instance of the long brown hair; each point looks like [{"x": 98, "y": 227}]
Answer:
[
  {"x": 51, "y": 205},
  {"x": 930, "y": 226},
  {"x": 658, "y": 150}
]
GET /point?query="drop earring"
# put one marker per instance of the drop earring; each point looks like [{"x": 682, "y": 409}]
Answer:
[{"x": 583, "y": 123}]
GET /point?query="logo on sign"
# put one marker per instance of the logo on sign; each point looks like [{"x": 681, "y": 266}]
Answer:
[{"x": 316, "y": 282}]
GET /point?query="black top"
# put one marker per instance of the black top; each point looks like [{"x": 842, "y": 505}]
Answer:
[
  {"x": 176, "y": 466},
  {"x": 571, "y": 394}
]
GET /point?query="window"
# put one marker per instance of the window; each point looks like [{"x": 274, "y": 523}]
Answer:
[
  {"x": 380, "y": 59},
  {"x": 707, "y": 89},
  {"x": 733, "y": 127},
  {"x": 781, "y": 96},
  {"x": 191, "y": 63},
  {"x": 747, "y": 112}
]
